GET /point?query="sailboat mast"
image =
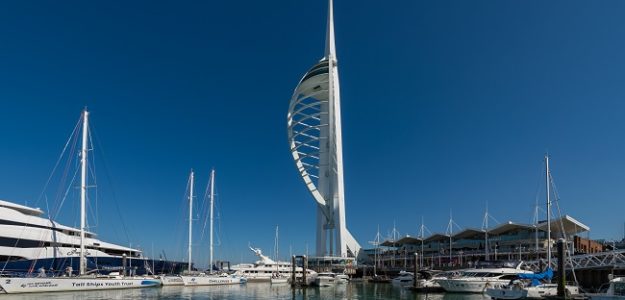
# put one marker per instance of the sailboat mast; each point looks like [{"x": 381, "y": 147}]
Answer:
[
  {"x": 547, "y": 177},
  {"x": 276, "y": 245},
  {"x": 191, "y": 179},
  {"x": 485, "y": 228},
  {"x": 212, "y": 203},
  {"x": 421, "y": 235},
  {"x": 83, "y": 190}
]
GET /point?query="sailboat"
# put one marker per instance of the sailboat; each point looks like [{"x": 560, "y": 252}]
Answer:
[
  {"x": 169, "y": 280},
  {"x": 83, "y": 281},
  {"x": 277, "y": 277},
  {"x": 377, "y": 278},
  {"x": 192, "y": 278},
  {"x": 536, "y": 289}
]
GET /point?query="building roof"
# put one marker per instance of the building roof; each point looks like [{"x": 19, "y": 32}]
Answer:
[
  {"x": 396, "y": 243},
  {"x": 507, "y": 227},
  {"x": 437, "y": 237},
  {"x": 409, "y": 240},
  {"x": 470, "y": 233},
  {"x": 571, "y": 226}
]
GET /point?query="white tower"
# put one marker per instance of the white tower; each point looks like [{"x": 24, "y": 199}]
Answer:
[{"x": 314, "y": 129}]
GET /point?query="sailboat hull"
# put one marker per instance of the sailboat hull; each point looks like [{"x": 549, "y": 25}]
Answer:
[
  {"x": 211, "y": 280},
  {"x": 17, "y": 285}
]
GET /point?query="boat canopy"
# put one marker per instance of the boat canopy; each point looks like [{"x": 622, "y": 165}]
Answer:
[{"x": 536, "y": 277}]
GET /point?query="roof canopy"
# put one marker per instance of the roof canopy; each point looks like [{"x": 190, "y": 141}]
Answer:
[
  {"x": 507, "y": 227},
  {"x": 470, "y": 233},
  {"x": 566, "y": 224}
]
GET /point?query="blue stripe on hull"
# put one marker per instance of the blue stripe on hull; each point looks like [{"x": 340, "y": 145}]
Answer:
[{"x": 104, "y": 264}]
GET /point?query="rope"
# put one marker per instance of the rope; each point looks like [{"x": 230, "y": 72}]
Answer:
[{"x": 568, "y": 250}]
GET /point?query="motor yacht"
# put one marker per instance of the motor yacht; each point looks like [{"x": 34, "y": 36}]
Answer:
[
  {"x": 615, "y": 291},
  {"x": 325, "y": 279},
  {"x": 263, "y": 269},
  {"x": 478, "y": 280}
]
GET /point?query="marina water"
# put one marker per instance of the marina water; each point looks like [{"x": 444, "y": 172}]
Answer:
[{"x": 255, "y": 291}]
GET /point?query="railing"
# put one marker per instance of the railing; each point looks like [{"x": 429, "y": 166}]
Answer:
[{"x": 615, "y": 259}]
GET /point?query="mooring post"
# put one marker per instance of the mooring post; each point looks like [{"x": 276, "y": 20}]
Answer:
[
  {"x": 293, "y": 268},
  {"x": 123, "y": 264},
  {"x": 416, "y": 269},
  {"x": 561, "y": 270},
  {"x": 304, "y": 268}
]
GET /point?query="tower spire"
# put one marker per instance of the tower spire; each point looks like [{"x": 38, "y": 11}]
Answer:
[{"x": 330, "y": 45}]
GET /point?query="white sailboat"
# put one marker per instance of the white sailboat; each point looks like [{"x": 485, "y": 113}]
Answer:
[
  {"x": 277, "y": 277},
  {"x": 202, "y": 278},
  {"x": 517, "y": 289},
  {"x": 173, "y": 280},
  {"x": 82, "y": 282}
]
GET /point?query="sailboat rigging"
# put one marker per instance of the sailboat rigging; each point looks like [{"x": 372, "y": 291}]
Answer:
[
  {"x": 536, "y": 289},
  {"x": 193, "y": 278},
  {"x": 83, "y": 281}
]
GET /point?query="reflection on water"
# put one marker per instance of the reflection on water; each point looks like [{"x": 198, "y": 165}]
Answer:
[{"x": 255, "y": 291}]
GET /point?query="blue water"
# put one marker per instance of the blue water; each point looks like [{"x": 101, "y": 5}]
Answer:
[{"x": 255, "y": 291}]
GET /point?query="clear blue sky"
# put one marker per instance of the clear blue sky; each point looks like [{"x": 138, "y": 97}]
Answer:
[{"x": 447, "y": 105}]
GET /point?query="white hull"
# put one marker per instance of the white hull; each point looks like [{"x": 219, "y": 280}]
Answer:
[
  {"x": 471, "y": 285},
  {"x": 61, "y": 284},
  {"x": 616, "y": 290},
  {"x": 342, "y": 279},
  {"x": 211, "y": 280},
  {"x": 171, "y": 280},
  {"x": 533, "y": 292},
  {"x": 281, "y": 280},
  {"x": 605, "y": 297},
  {"x": 325, "y": 281}
]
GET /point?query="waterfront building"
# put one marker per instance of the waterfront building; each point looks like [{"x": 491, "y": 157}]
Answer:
[{"x": 507, "y": 241}]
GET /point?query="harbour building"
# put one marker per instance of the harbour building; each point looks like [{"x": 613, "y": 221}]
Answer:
[{"x": 506, "y": 241}]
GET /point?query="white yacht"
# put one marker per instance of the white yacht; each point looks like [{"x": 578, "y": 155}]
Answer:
[
  {"x": 478, "y": 280},
  {"x": 212, "y": 279},
  {"x": 195, "y": 278},
  {"x": 14, "y": 283},
  {"x": 404, "y": 279},
  {"x": 427, "y": 280},
  {"x": 263, "y": 269},
  {"x": 531, "y": 286},
  {"x": 342, "y": 278},
  {"x": 326, "y": 279},
  {"x": 169, "y": 280},
  {"x": 31, "y": 240},
  {"x": 27, "y": 238},
  {"x": 615, "y": 291},
  {"x": 518, "y": 290}
]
